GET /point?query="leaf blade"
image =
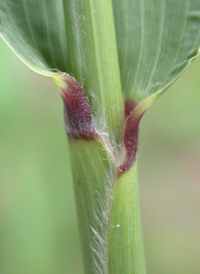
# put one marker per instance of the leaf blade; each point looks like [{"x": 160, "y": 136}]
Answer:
[
  {"x": 43, "y": 34},
  {"x": 156, "y": 41},
  {"x": 35, "y": 31}
]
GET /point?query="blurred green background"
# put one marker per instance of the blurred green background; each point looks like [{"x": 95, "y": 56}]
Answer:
[{"x": 38, "y": 228}]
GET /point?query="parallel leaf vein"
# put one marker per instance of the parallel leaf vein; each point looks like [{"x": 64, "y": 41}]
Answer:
[{"x": 162, "y": 16}]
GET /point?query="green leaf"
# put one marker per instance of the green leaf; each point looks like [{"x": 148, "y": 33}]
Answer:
[
  {"x": 156, "y": 40},
  {"x": 35, "y": 31},
  {"x": 74, "y": 37}
]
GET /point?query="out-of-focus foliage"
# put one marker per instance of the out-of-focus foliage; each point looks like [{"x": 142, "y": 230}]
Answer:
[
  {"x": 38, "y": 230},
  {"x": 169, "y": 178}
]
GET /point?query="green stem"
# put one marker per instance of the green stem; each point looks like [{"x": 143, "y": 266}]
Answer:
[
  {"x": 93, "y": 59},
  {"x": 100, "y": 196},
  {"x": 108, "y": 211},
  {"x": 125, "y": 244}
]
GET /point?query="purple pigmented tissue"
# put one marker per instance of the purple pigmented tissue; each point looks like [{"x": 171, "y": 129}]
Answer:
[
  {"x": 131, "y": 135},
  {"x": 77, "y": 111},
  {"x": 129, "y": 106},
  {"x": 79, "y": 124}
]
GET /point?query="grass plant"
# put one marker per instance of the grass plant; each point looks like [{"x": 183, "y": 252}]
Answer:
[{"x": 110, "y": 61}]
